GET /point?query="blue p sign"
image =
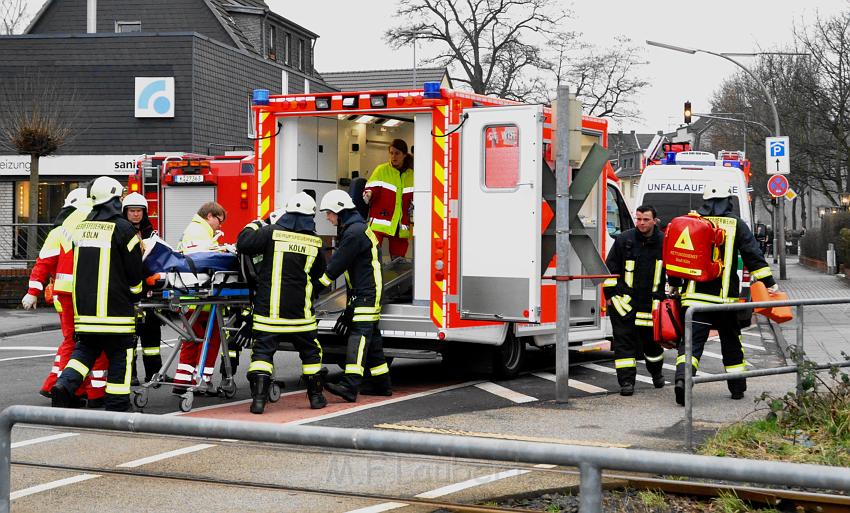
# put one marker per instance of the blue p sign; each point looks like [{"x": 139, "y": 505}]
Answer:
[{"x": 777, "y": 148}]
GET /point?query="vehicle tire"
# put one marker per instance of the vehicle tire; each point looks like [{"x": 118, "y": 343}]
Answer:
[{"x": 509, "y": 357}]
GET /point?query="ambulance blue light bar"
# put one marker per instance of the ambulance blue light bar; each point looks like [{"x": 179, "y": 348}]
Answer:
[{"x": 260, "y": 97}]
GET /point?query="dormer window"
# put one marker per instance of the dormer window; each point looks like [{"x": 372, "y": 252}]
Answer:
[
  {"x": 272, "y": 45},
  {"x": 127, "y": 26}
]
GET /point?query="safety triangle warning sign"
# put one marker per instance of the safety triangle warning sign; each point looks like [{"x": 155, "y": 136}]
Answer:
[{"x": 684, "y": 240}]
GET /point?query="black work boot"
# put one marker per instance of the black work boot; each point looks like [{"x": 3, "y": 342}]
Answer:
[
  {"x": 658, "y": 381},
  {"x": 315, "y": 385},
  {"x": 737, "y": 387},
  {"x": 378, "y": 385},
  {"x": 60, "y": 397},
  {"x": 627, "y": 390},
  {"x": 679, "y": 389},
  {"x": 347, "y": 388},
  {"x": 260, "y": 384}
]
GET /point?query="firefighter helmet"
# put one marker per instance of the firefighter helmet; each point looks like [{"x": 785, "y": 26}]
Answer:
[
  {"x": 134, "y": 200},
  {"x": 717, "y": 189},
  {"x": 301, "y": 203},
  {"x": 275, "y": 215},
  {"x": 336, "y": 201},
  {"x": 104, "y": 189},
  {"x": 76, "y": 198}
]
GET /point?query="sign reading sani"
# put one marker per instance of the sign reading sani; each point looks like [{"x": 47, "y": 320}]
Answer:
[
  {"x": 691, "y": 248},
  {"x": 154, "y": 97}
]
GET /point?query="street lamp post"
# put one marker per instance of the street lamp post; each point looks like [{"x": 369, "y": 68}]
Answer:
[{"x": 779, "y": 233}]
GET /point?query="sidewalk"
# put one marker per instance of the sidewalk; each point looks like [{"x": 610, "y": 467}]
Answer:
[
  {"x": 826, "y": 328},
  {"x": 18, "y": 321}
]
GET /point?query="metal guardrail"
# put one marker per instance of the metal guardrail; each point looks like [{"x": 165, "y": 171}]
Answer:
[
  {"x": 13, "y": 242},
  {"x": 590, "y": 460},
  {"x": 690, "y": 380}
]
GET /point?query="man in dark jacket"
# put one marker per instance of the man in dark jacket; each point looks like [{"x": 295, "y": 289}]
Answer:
[
  {"x": 107, "y": 282},
  {"x": 357, "y": 256},
  {"x": 717, "y": 208},
  {"x": 637, "y": 257},
  {"x": 283, "y": 300}
]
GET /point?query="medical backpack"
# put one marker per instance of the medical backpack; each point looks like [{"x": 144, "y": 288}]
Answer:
[{"x": 692, "y": 248}]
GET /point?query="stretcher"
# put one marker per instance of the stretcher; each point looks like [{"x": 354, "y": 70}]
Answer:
[{"x": 178, "y": 301}]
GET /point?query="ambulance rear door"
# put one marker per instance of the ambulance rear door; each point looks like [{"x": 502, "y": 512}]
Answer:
[{"x": 499, "y": 215}]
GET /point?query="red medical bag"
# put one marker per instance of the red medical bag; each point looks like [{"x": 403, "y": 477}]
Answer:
[
  {"x": 667, "y": 327},
  {"x": 692, "y": 248}
]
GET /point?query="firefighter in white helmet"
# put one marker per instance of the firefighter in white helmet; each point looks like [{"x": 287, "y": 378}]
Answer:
[
  {"x": 107, "y": 282},
  {"x": 357, "y": 255},
  {"x": 287, "y": 283}
]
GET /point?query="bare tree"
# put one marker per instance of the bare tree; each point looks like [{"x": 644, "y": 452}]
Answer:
[
  {"x": 491, "y": 42},
  {"x": 36, "y": 120},
  {"x": 12, "y": 16}
]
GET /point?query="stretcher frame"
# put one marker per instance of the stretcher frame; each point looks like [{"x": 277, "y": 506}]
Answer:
[{"x": 179, "y": 308}]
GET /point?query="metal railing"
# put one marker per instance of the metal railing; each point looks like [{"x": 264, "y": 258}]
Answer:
[
  {"x": 691, "y": 380},
  {"x": 13, "y": 242},
  {"x": 590, "y": 460}
]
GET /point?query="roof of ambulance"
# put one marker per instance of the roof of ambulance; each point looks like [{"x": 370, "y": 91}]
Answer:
[{"x": 691, "y": 172}]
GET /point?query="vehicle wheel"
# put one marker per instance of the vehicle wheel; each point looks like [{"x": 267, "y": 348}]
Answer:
[
  {"x": 509, "y": 357},
  {"x": 186, "y": 402},
  {"x": 228, "y": 388},
  {"x": 140, "y": 399},
  {"x": 274, "y": 392}
]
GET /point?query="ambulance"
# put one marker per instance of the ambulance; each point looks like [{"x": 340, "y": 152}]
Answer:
[{"x": 476, "y": 283}]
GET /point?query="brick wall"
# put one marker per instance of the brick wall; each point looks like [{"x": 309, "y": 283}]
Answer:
[{"x": 13, "y": 286}]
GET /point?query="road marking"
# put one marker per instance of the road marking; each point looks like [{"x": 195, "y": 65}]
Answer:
[
  {"x": 606, "y": 370},
  {"x": 756, "y": 335},
  {"x": 378, "y": 508},
  {"x": 26, "y": 357},
  {"x": 33, "y": 441},
  {"x": 497, "y": 436},
  {"x": 578, "y": 385},
  {"x": 470, "y": 483},
  {"x": 673, "y": 368},
  {"x": 51, "y": 485},
  {"x": 719, "y": 357},
  {"x": 27, "y": 348},
  {"x": 165, "y": 455},
  {"x": 505, "y": 393},
  {"x": 753, "y": 346}
]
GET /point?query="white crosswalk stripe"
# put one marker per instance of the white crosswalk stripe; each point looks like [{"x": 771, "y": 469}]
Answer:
[
  {"x": 573, "y": 383},
  {"x": 505, "y": 393},
  {"x": 606, "y": 370}
]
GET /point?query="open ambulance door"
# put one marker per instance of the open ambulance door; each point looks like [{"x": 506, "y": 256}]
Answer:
[{"x": 500, "y": 213}]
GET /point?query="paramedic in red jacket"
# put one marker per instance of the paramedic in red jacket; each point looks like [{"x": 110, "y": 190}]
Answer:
[{"x": 389, "y": 193}]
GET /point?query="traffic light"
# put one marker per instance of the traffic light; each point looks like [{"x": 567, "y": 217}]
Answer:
[{"x": 687, "y": 113}]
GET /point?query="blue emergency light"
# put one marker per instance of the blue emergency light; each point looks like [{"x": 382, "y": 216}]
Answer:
[
  {"x": 432, "y": 90},
  {"x": 261, "y": 97}
]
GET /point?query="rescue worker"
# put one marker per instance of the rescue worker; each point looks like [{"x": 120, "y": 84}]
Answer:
[
  {"x": 202, "y": 234},
  {"x": 149, "y": 327},
  {"x": 717, "y": 208},
  {"x": 389, "y": 193},
  {"x": 356, "y": 255},
  {"x": 283, "y": 300},
  {"x": 637, "y": 257},
  {"x": 107, "y": 281},
  {"x": 56, "y": 259}
]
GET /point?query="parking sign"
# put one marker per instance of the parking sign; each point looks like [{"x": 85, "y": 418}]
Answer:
[{"x": 777, "y": 155}]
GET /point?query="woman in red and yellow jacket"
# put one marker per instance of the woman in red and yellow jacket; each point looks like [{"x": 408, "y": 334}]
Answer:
[{"x": 389, "y": 193}]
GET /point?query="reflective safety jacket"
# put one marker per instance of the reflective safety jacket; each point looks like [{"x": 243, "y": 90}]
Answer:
[
  {"x": 287, "y": 279},
  {"x": 392, "y": 195},
  {"x": 198, "y": 236},
  {"x": 638, "y": 261},
  {"x": 56, "y": 257},
  {"x": 739, "y": 240},
  {"x": 107, "y": 272},
  {"x": 357, "y": 256}
]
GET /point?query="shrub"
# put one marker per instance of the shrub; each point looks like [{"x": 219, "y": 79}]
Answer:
[{"x": 815, "y": 242}]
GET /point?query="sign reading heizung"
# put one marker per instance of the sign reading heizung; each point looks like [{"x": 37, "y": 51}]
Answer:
[
  {"x": 679, "y": 187},
  {"x": 69, "y": 165},
  {"x": 154, "y": 97}
]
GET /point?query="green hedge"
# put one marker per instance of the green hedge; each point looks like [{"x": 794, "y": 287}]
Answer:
[{"x": 835, "y": 229}]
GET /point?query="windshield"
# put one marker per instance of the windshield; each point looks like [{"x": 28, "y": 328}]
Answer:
[{"x": 675, "y": 205}]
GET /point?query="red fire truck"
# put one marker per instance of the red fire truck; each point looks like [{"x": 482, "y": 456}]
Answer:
[{"x": 475, "y": 277}]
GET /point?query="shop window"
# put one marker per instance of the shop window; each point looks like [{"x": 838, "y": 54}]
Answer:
[{"x": 501, "y": 157}]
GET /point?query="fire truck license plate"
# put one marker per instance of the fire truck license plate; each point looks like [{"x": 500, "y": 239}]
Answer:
[{"x": 189, "y": 179}]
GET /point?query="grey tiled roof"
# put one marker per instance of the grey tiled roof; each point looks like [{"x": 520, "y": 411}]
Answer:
[
  {"x": 383, "y": 79},
  {"x": 230, "y": 25}
]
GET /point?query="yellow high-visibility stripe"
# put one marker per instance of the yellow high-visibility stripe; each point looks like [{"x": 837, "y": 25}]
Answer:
[
  {"x": 728, "y": 225},
  {"x": 642, "y": 322},
  {"x": 78, "y": 366},
  {"x": 123, "y": 388},
  {"x": 366, "y": 318},
  {"x": 361, "y": 346},
  {"x": 324, "y": 280},
  {"x": 629, "y": 276},
  {"x": 762, "y": 273},
  {"x": 379, "y": 370},
  {"x": 308, "y": 369},
  {"x": 644, "y": 315},
  {"x": 685, "y": 270},
  {"x": 741, "y": 367},
  {"x": 267, "y": 328},
  {"x": 654, "y": 358},
  {"x": 150, "y": 351},
  {"x": 103, "y": 283},
  {"x": 624, "y": 363},
  {"x": 261, "y": 366},
  {"x": 376, "y": 268},
  {"x": 610, "y": 282},
  {"x": 96, "y": 319},
  {"x": 308, "y": 290},
  {"x": 95, "y": 328},
  {"x": 136, "y": 289},
  {"x": 281, "y": 321},
  {"x": 277, "y": 271},
  {"x": 354, "y": 369},
  {"x": 656, "y": 278},
  {"x": 367, "y": 309},
  {"x": 694, "y": 361},
  {"x": 133, "y": 243}
]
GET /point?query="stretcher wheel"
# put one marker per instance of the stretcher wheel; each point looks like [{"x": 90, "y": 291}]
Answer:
[
  {"x": 186, "y": 402},
  {"x": 274, "y": 392},
  {"x": 228, "y": 388},
  {"x": 140, "y": 398}
]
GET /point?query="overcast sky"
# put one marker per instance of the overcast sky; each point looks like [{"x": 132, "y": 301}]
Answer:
[{"x": 351, "y": 39}]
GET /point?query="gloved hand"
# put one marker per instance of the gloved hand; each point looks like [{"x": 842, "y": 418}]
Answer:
[
  {"x": 774, "y": 289},
  {"x": 29, "y": 301},
  {"x": 230, "y": 248},
  {"x": 244, "y": 337}
]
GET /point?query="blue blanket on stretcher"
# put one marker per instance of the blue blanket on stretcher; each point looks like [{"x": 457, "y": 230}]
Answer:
[{"x": 161, "y": 258}]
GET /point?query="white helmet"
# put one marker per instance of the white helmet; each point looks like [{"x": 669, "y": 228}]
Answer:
[
  {"x": 76, "y": 198},
  {"x": 104, "y": 189},
  {"x": 274, "y": 216},
  {"x": 301, "y": 203},
  {"x": 717, "y": 189},
  {"x": 336, "y": 201},
  {"x": 134, "y": 199}
]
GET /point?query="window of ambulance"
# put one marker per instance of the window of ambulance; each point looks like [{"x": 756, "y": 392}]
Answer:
[{"x": 670, "y": 205}]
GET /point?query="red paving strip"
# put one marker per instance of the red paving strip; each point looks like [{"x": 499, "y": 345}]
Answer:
[{"x": 294, "y": 407}]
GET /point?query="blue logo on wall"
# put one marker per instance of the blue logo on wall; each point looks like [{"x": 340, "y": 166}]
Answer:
[
  {"x": 161, "y": 104},
  {"x": 154, "y": 97}
]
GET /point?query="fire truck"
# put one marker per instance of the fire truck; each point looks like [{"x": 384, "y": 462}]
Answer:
[
  {"x": 476, "y": 280},
  {"x": 176, "y": 185}
]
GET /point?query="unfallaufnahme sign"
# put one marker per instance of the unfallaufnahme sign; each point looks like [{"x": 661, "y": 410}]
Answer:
[{"x": 69, "y": 165}]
